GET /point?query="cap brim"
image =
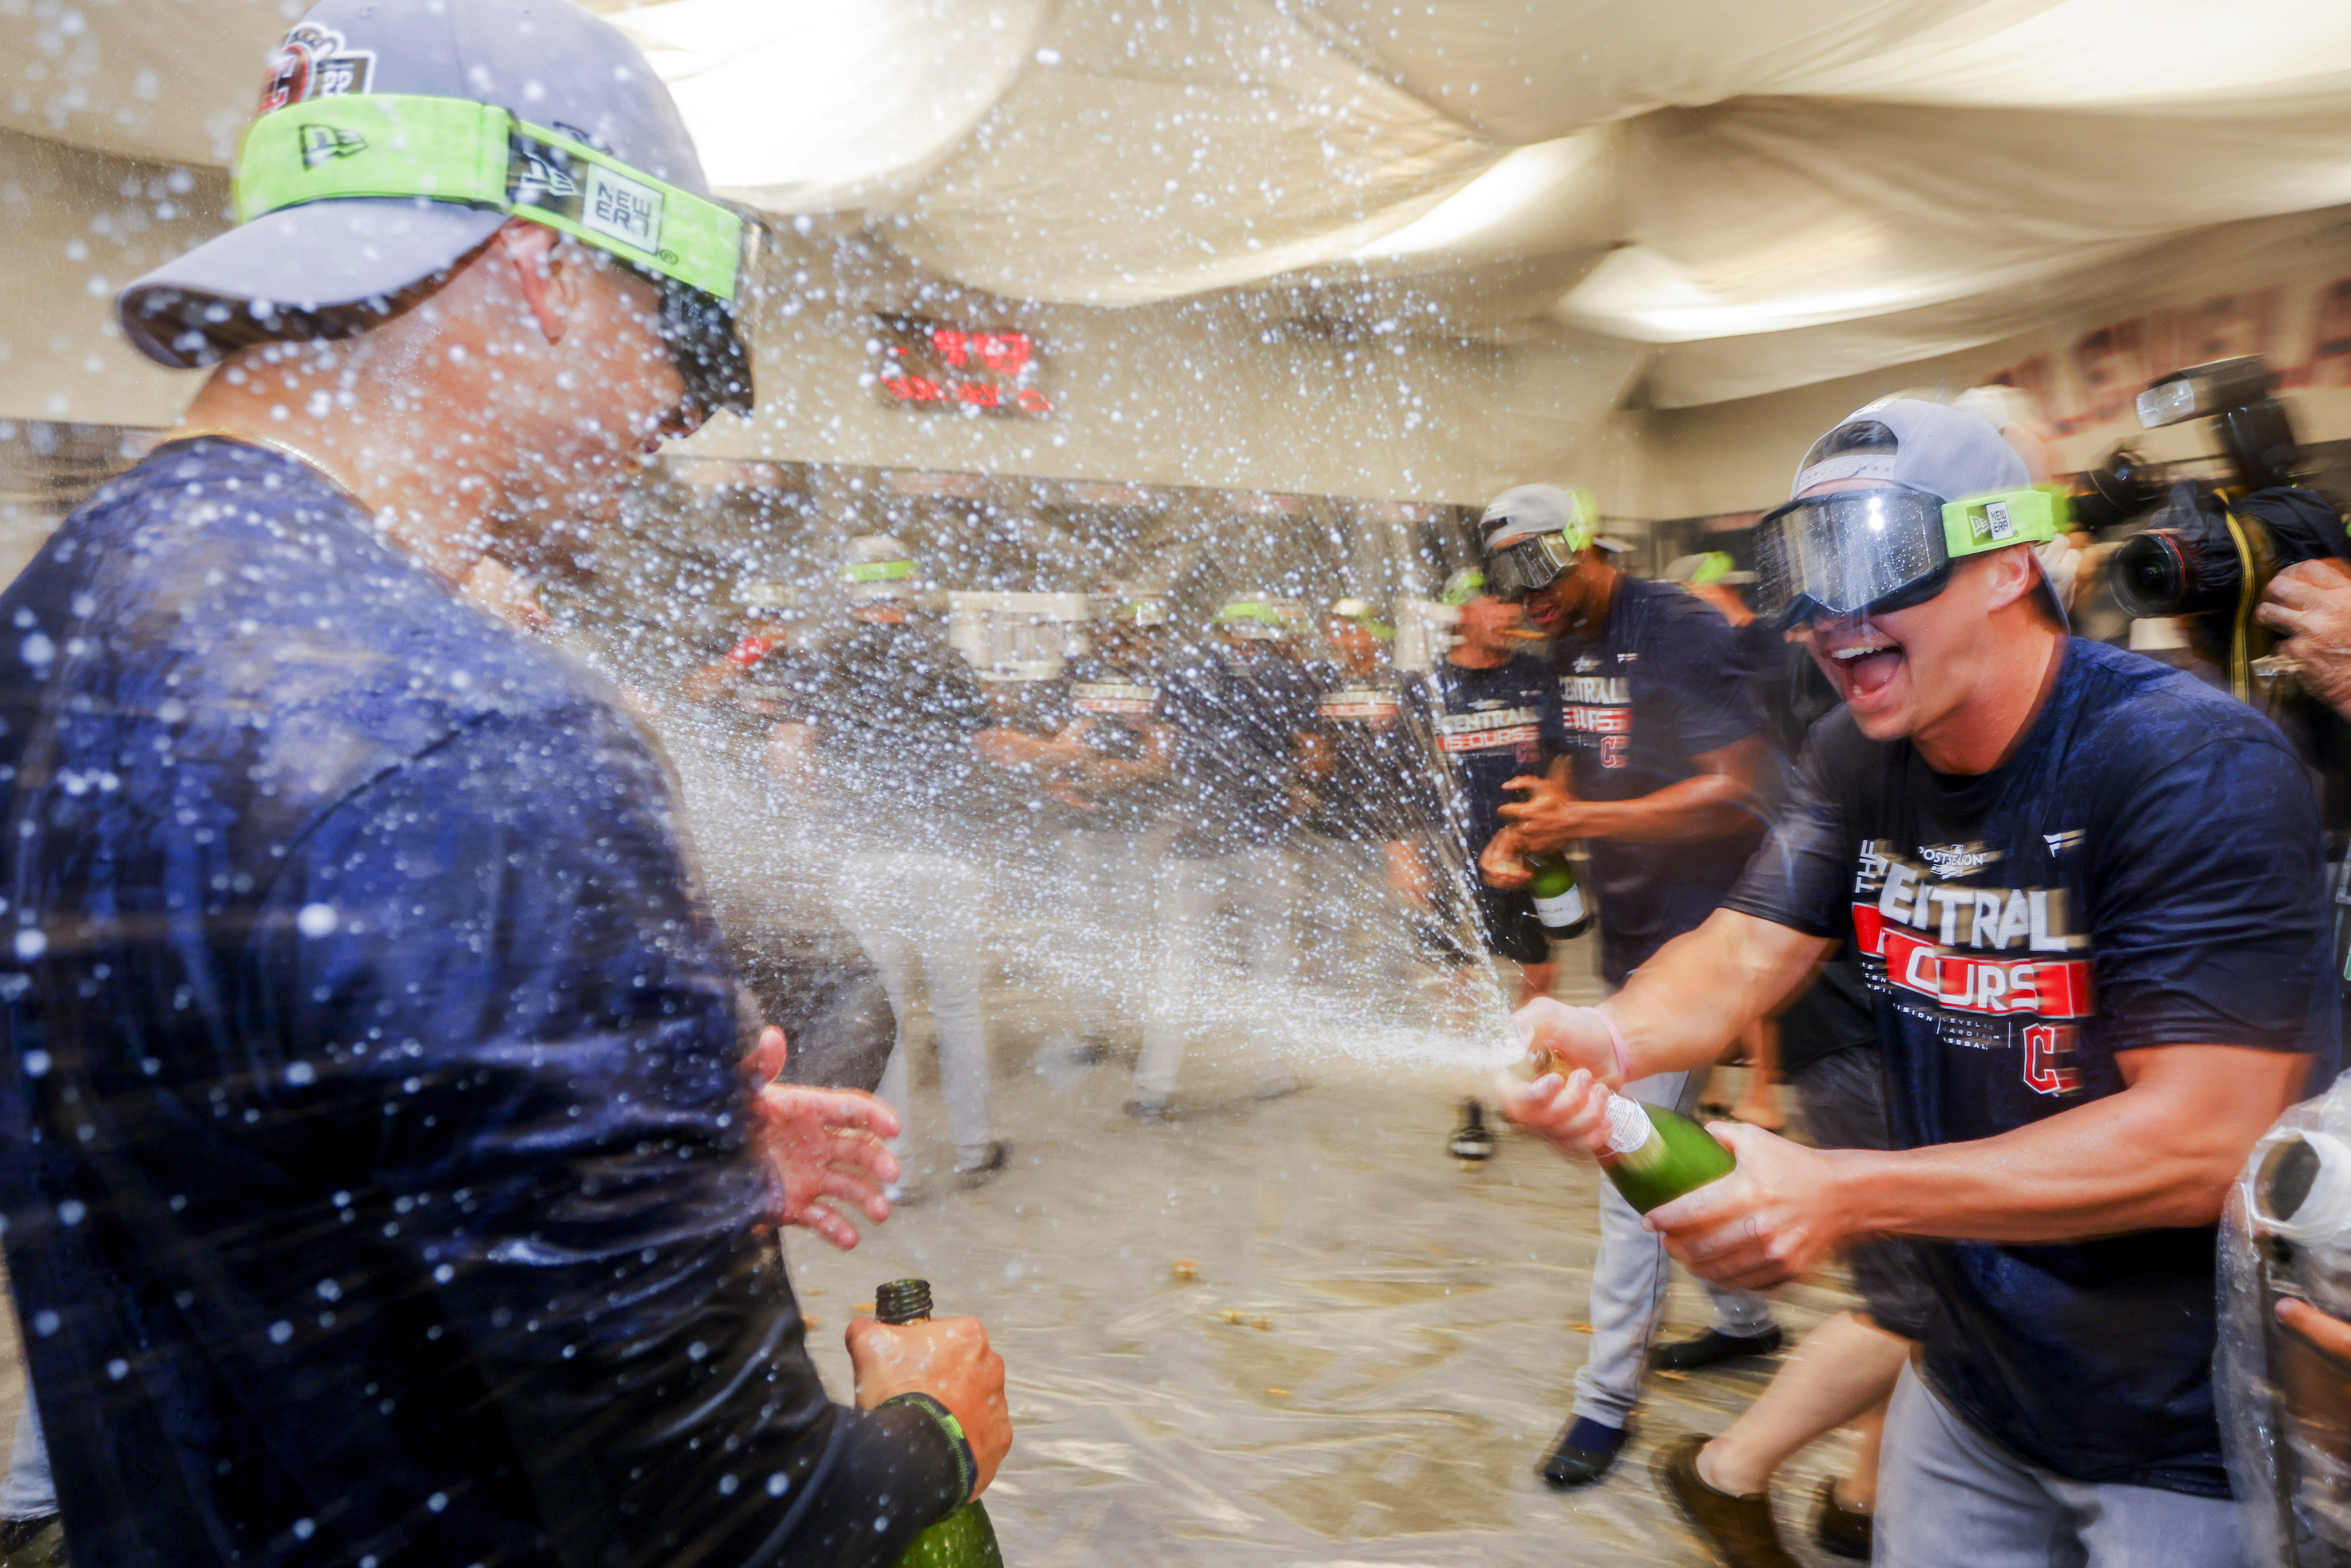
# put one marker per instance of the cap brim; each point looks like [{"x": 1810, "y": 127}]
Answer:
[{"x": 326, "y": 270}]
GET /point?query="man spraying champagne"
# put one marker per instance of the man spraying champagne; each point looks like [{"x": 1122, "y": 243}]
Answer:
[{"x": 2083, "y": 891}]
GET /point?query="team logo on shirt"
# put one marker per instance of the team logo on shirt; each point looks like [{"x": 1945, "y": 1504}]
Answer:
[
  {"x": 1497, "y": 729},
  {"x": 1361, "y": 704},
  {"x": 1972, "y": 959},
  {"x": 1958, "y": 860},
  {"x": 1598, "y": 711},
  {"x": 1112, "y": 699}
]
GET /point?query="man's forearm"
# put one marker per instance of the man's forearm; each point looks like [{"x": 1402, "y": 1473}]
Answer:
[
  {"x": 1694, "y": 996},
  {"x": 2159, "y": 1154},
  {"x": 1707, "y": 806}
]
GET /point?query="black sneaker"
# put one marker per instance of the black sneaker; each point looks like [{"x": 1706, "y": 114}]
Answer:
[
  {"x": 36, "y": 1543},
  {"x": 1712, "y": 1348},
  {"x": 1471, "y": 1142},
  {"x": 1739, "y": 1529},
  {"x": 1847, "y": 1532},
  {"x": 982, "y": 1170},
  {"x": 1582, "y": 1455}
]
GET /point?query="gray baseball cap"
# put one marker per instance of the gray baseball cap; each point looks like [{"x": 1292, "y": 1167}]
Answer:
[
  {"x": 330, "y": 268},
  {"x": 1914, "y": 444}
]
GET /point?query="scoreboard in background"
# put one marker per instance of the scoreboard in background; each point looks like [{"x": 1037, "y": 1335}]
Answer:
[{"x": 942, "y": 368}]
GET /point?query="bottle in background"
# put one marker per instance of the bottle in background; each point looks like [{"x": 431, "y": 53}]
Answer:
[
  {"x": 964, "y": 1539},
  {"x": 1558, "y": 903}
]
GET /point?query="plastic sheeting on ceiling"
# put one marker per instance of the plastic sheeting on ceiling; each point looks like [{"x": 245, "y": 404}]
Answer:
[{"x": 1874, "y": 180}]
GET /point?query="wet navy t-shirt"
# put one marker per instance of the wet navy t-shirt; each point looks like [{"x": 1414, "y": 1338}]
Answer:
[
  {"x": 895, "y": 708},
  {"x": 2145, "y": 871},
  {"x": 1380, "y": 787},
  {"x": 1488, "y": 729},
  {"x": 1662, "y": 684},
  {"x": 1120, "y": 706},
  {"x": 372, "y": 1142},
  {"x": 1233, "y": 719}
]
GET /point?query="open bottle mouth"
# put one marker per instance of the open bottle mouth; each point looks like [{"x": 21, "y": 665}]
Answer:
[{"x": 2302, "y": 1186}]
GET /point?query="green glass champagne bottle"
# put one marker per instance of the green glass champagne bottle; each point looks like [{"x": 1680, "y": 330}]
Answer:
[
  {"x": 1558, "y": 903},
  {"x": 964, "y": 1539},
  {"x": 1654, "y": 1156}
]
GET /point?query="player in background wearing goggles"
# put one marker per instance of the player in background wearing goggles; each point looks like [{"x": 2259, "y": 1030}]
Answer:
[
  {"x": 374, "y": 1135},
  {"x": 1653, "y": 751},
  {"x": 2083, "y": 891}
]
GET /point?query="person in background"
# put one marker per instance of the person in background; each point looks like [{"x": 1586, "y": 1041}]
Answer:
[
  {"x": 2083, "y": 891},
  {"x": 1656, "y": 757},
  {"x": 1240, "y": 712},
  {"x": 1483, "y": 704},
  {"x": 382, "y": 1176},
  {"x": 1372, "y": 801},
  {"x": 1113, "y": 800},
  {"x": 886, "y": 734},
  {"x": 1823, "y": 1043},
  {"x": 1774, "y": 668},
  {"x": 763, "y": 641}
]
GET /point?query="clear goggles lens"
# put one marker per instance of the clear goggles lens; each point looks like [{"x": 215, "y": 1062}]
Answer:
[
  {"x": 1850, "y": 551},
  {"x": 1528, "y": 566}
]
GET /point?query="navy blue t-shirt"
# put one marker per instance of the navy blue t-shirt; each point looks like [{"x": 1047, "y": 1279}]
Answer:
[
  {"x": 1381, "y": 786},
  {"x": 1120, "y": 706},
  {"x": 372, "y": 1141},
  {"x": 895, "y": 708},
  {"x": 1663, "y": 682},
  {"x": 2146, "y": 871},
  {"x": 1233, "y": 717},
  {"x": 1488, "y": 728}
]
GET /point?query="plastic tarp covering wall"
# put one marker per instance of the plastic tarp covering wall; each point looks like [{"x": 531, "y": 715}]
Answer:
[{"x": 1757, "y": 196}]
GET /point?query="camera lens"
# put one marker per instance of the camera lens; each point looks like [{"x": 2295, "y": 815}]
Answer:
[{"x": 2174, "y": 571}]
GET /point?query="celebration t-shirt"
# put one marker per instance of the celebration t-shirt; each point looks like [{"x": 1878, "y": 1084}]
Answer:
[
  {"x": 1121, "y": 706},
  {"x": 895, "y": 708},
  {"x": 1487, "y": 727},
  {"x": 1233, "y": 719},
  {"x": 1662, "y": 682},
  {"x": 2146, "y": 871},
  {"x": 1380, "y": 787}
]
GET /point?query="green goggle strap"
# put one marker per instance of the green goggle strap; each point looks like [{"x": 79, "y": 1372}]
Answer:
[
  {"x": 1974, "y": 524},
  {"x": 878, "y": 571},
  {"x": 1463, "y": 586},
  {"x": 402, "y": 146},
  {"x": 1246, "y": 612}
]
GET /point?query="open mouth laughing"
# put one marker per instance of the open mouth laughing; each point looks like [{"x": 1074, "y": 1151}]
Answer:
[{"x": 1859, "y": 658}]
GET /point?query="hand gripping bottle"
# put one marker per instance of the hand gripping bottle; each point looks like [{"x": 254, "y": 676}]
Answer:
[
  {"x": 1558, "y": 903},
  {"x": 1654, "y": 1156},
  {"x": 964, "y": 1539}
]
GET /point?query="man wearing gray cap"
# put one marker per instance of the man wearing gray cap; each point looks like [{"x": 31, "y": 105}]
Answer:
[
  {"x": 1654, "y": 760},
  {"x": 2079, "y": 885},
  {"x": 380, "y": 1181}
]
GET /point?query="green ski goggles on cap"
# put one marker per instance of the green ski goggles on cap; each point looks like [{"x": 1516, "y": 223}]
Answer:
[
  {"x": 1856, "y": 551},
  {"x": 394, "y": 146},
  {"x": 878, "y": 571}
]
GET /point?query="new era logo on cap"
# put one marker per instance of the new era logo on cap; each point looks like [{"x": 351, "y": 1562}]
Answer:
[{"x": 322, "y": 142}]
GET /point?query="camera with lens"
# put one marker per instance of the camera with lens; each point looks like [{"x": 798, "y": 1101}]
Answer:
[{"x": 2208, "y": 550}]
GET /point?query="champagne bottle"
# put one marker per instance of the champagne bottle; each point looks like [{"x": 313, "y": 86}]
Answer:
[
  {"x": 1558, "y": 903},
  {"x": 1654, "y": 1156},
  {"x": 964, "y": 1539}
]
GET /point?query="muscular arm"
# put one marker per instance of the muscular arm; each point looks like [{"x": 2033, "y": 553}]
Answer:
[
  {"x": 1714, "y": 803},
  {"x": 2162, "y": 1153},
  {"x": 1682, "y": 1007}
]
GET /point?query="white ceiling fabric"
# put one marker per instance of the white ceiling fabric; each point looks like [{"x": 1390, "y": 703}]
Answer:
[{"x": 1754, "y": 194}]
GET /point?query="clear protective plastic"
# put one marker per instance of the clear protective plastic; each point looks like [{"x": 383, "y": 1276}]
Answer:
[{"x": 2284, "y": 1401}]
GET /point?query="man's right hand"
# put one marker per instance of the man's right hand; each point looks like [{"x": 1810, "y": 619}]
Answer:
[
  {"x": 1567, "y": 1105},
  {"x": 948, "y": 1359}
]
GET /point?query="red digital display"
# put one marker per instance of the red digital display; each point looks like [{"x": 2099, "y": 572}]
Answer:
[{"x": 938, "y": 367}]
